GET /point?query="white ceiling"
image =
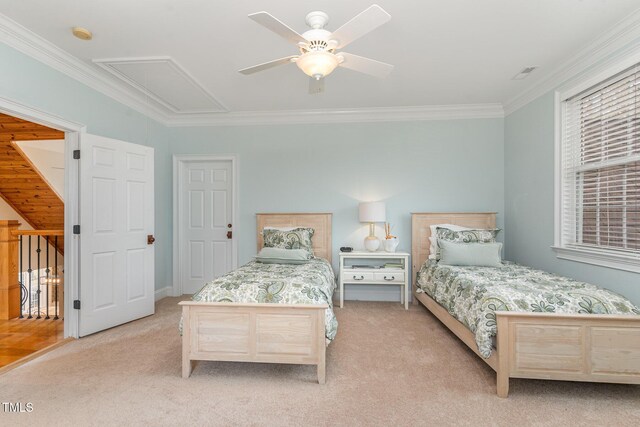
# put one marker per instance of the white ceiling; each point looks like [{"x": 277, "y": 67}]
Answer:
[{"x": 444, "y": 52}]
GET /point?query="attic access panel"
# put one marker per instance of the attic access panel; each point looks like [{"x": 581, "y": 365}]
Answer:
[{"x": 165, "y": 81}]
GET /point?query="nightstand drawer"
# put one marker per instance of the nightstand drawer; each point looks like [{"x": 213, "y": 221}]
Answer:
[
  {"x": 357, "y": 276},
  {"x": 391, "y": 277}
]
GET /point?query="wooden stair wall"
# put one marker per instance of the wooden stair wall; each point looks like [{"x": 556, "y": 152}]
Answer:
[{"x": 21, "y": 184}]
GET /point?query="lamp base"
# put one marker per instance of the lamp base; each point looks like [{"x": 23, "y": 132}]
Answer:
[{"x": 371, "y": 243}]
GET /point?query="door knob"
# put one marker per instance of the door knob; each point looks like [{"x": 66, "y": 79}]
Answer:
[
  {"x": 229, "y": 225},
  {"x": 150, "y": 239},
  {"x": 229, "y": 234}
]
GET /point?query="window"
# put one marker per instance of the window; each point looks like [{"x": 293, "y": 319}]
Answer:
[{"x": 600, "y": 173}]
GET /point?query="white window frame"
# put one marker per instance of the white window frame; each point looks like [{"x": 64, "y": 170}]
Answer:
[{"x": 610, "y": 259}]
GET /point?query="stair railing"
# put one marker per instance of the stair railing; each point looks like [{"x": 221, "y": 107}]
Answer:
[{"x": 39, "y": 266}]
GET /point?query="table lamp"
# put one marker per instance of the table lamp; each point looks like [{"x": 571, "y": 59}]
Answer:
[{"x": 372, "y": 212}]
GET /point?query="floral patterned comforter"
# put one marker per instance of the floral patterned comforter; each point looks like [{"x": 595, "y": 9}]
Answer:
[
  {"x": 473, "y": 295},
  {"x": 309, "y": 283}
]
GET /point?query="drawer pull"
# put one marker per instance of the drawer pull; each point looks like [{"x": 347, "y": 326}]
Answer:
[
  {"x": 355, "y": 278},
  {"x": 390, "y": 279}
]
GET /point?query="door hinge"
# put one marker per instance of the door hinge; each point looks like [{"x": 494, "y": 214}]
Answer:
[
  {"x": 76, "y": 229},
  {"x": 76, "y": 304},
  {"x": 76, "y": 154}
]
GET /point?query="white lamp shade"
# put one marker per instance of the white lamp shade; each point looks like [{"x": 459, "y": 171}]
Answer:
[
  {"x": 317, "y": 64},
  {"x": 372, "y": 212}
]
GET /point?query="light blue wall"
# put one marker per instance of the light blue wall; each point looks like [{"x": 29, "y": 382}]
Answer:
[
  {"x": 421, "y": 166},
  {"x": 464, "y": 165},
  {"x": 529, "y": 200},
  {"x": 29, "y": 82},
  {"x": 489, "y": 164},
  {"x": 414, "y": 167}
]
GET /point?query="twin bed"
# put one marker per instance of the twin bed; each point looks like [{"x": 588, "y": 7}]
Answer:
[
  {"x": 268, "y": 313},
  {"x": 545, "y": 326},
  {"x": 523, "y": 323}
]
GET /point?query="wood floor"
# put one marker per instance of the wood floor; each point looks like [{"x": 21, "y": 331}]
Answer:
[{"x": 21, "y": 337}]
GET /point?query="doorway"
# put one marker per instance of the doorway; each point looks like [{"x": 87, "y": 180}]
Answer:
[
  {"x": 125, "y": 172},
  {"x": 32, "y": 238},
  {"x": 205, "y": 221}
]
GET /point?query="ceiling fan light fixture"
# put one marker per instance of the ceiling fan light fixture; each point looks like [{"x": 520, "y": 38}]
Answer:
[
  {"x": 318, "y": 57},
  {"x": 317, "y": 64}
]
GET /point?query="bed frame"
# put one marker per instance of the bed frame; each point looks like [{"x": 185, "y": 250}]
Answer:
[
  {"x": 568, "y": 347},
  {"x": 268, "y": 333}
]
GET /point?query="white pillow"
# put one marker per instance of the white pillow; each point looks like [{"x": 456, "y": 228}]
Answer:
[{"x": 433, "y": 241}]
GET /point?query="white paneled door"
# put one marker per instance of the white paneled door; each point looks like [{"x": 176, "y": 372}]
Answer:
[
  {"x": 205, "y": 204},
  {"x": 116, "y": 233}
]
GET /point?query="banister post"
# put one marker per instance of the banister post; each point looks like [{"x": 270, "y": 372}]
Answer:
[{"x": 9, "y": 284}]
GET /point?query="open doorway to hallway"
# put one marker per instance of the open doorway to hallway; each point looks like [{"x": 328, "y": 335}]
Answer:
[{"x": 32, "y": 163}]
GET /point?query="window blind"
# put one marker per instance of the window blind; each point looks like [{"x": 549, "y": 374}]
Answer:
[{"x": 600, "y": 161}]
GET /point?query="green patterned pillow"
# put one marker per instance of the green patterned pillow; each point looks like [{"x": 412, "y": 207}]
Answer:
[
  {"x": 298, "y": 238},
  {"x": 465, "y": 236}
]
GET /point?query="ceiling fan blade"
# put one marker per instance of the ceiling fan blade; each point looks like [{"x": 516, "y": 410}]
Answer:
[
  {"x": 360, "y": 25},
  {"x": 365, "y": 65},
  {"x": 267, "y": 65},
  {"x": 274, "y": 24},
  {"x": 316, "y": 86}
]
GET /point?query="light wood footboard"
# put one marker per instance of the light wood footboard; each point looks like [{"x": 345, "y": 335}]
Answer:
[
  {"x": 580, "y": 347},
  {"x": 268, "y": 333},
  {"x": 549, "y": 346}
]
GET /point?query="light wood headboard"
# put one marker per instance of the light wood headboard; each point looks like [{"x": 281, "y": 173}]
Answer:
[
  {"x": 421, "y": 231},
  {"x": 320, "y": 222}
]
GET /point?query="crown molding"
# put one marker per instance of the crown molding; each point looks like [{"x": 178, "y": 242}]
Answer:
[
  {"x": 40, "y": 49},
  {"x": 599, "y": 51},
  {"x": 348, "y": 115}
]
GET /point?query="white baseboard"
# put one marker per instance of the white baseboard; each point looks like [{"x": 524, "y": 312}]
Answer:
[{"x": 163, "y": 293}]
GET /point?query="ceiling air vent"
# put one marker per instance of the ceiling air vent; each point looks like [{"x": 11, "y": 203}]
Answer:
[{"x": 524, "y": 73}]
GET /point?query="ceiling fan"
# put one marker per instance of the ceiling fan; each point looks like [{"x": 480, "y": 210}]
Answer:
[{"x": 319, "y": 54}]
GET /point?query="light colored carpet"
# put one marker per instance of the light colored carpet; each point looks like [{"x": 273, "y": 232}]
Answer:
[{"x": 387, "y": 366}]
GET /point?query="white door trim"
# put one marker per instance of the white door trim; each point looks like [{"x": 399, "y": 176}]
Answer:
[
  {"x": 71, "y": 202},
  {"x": 179, "y": 160}
]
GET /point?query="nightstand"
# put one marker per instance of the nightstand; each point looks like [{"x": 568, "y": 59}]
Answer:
[{"x": 375, "y": 273}]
